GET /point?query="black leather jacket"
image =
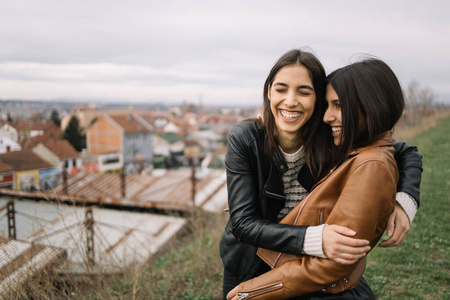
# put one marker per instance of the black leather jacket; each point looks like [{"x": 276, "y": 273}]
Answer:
[{"x": 256, "y": 196}]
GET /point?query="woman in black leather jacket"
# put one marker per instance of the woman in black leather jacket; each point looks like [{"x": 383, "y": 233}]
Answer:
[{"x": 256, "y": 167}]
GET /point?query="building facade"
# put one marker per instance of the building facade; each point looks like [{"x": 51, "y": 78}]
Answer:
[{"x": 128, "y": 135}]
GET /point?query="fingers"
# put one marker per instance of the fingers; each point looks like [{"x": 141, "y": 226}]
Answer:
[
  {"x": 344, "y": 261},
  {"x": 390, "y": 225},
  {"x": 397, "y": 237},
  {"x": 347, "y": 259},
  {"x": 393, "y": 241},
  {"x": 349, "y": 252},
  {"x": 341, "y": 248},
  {"x": 343, "y": 235},
  {"x": 232, "y": 295},
  {"x": 400, "y": 226},
  {"x": 349, "y": 255},
  {"x": 342, "y": 230}
]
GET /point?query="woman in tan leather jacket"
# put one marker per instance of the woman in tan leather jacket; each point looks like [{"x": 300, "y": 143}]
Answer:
[
  {"x": 272, "y": 165},
  {"x": 364, "y": 101}
]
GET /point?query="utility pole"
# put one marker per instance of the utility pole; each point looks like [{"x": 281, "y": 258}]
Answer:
[
  {"x": 193, "y": 180},
  {"x": 65, "y": 184},
  {"x": 11, "y": 220},
  {"x": 122, "y": 182},
  {"x": 89, "y": 224}
]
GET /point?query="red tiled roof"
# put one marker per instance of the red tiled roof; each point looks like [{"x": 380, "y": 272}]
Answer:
[
  {"x": 219, "y": 119},
  {"x": 62, "y": 148},
  {"x": 4, "y": 167},
  {"x": 191, "y": 143},
  {"x": 24, "y": 160},
  {"x": 129, "y": 123},
  {"x": 30, "y": 143},
  {"x": 181, "y": 122},
  {"x": 33, "y": 125}
]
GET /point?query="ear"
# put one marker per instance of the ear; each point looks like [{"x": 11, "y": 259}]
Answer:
[{"x": 268, "y": 92}]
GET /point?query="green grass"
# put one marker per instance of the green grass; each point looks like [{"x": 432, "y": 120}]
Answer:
[{"x": 420, "y": 268}]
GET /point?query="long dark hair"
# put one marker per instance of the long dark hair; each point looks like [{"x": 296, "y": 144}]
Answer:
[
  {"x": 317, "y": 73},
  {"x": 367, "y": 90}
]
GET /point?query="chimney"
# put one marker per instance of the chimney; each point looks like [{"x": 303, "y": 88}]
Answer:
[{"x": 8, "y": 149}]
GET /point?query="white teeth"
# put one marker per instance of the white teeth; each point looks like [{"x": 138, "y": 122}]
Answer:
[
  {"x": 336, "y": 129},
  {"x": 290, "y": 115}
]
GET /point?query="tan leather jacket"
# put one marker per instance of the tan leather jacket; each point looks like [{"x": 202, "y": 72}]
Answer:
[{"x": 360, "y": 195}]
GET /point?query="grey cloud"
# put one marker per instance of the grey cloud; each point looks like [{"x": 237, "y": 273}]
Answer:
[{"x": 220, "y": 45}]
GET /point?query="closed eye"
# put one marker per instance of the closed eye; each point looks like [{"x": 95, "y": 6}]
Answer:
[{"x": 336, "y": 103}]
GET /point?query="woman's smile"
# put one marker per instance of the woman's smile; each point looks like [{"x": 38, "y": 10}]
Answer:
[
  {"x": 336, "y": 130},
  {"x": 290, "y": 116}
]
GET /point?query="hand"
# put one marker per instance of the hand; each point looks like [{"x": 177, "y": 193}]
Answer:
[
  {"x": 339, "y": 246},
  {"x": 397, "y": 227},
  {"x": 232, "y": 295}
]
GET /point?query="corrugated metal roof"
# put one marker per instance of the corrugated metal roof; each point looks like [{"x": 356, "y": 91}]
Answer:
[
  {"x": 121, "y": 238},
  {"x": 171, "y": 190},
  {"x": 20, "y": 261}
]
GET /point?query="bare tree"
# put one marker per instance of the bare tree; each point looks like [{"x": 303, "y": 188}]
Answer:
[{"x": 419, "y": 102}]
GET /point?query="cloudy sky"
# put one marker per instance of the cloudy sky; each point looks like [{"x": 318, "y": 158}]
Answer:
[{"x": 210, "y": 52}]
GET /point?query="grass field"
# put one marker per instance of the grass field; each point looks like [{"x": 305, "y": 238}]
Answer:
[
  {"x": 420, "y": 267},
  {"x": 417, "y": 269}
]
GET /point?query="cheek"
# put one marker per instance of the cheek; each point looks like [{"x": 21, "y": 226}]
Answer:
[{"x": 311, "y": 103}]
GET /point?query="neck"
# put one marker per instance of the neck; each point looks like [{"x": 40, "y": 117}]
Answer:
[{"x": 290, "y": 143}]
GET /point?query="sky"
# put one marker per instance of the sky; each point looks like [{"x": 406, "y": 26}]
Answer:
[{"x": 207, "y": 52}]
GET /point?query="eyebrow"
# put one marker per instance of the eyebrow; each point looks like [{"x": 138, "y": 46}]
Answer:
[{"x": 300, "y": 86}]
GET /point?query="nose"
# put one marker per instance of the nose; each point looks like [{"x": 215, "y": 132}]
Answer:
[
  {"x": 291, "y": 99},
  {"x": 328, "y": 117}
]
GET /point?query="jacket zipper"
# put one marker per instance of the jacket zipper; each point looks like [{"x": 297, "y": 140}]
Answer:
[
  {"x": 320, "y": 217},
  {"x": 245, "y": 295}
]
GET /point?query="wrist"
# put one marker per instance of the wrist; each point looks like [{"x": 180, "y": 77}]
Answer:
[
  {"x": 408, "y": 204},
  {"x": 313, "y": 243}
]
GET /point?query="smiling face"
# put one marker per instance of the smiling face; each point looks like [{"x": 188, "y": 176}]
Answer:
[
  {"x": 333, "y": 114},
  {"x": 292, "y": 98}
]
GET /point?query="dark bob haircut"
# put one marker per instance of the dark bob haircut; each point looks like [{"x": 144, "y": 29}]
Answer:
[{"x": 370, "y": 94}]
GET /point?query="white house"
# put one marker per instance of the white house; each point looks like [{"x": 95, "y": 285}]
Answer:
[
  {"x": 8, "y": 131},
  {"x": 8, "y": 145}
]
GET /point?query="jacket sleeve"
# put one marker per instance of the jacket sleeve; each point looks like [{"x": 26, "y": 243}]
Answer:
[
  {"x": 371, "y": 180},
  {"x": 409, "y": 163},
  {"x": 247, "y": 224}
]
